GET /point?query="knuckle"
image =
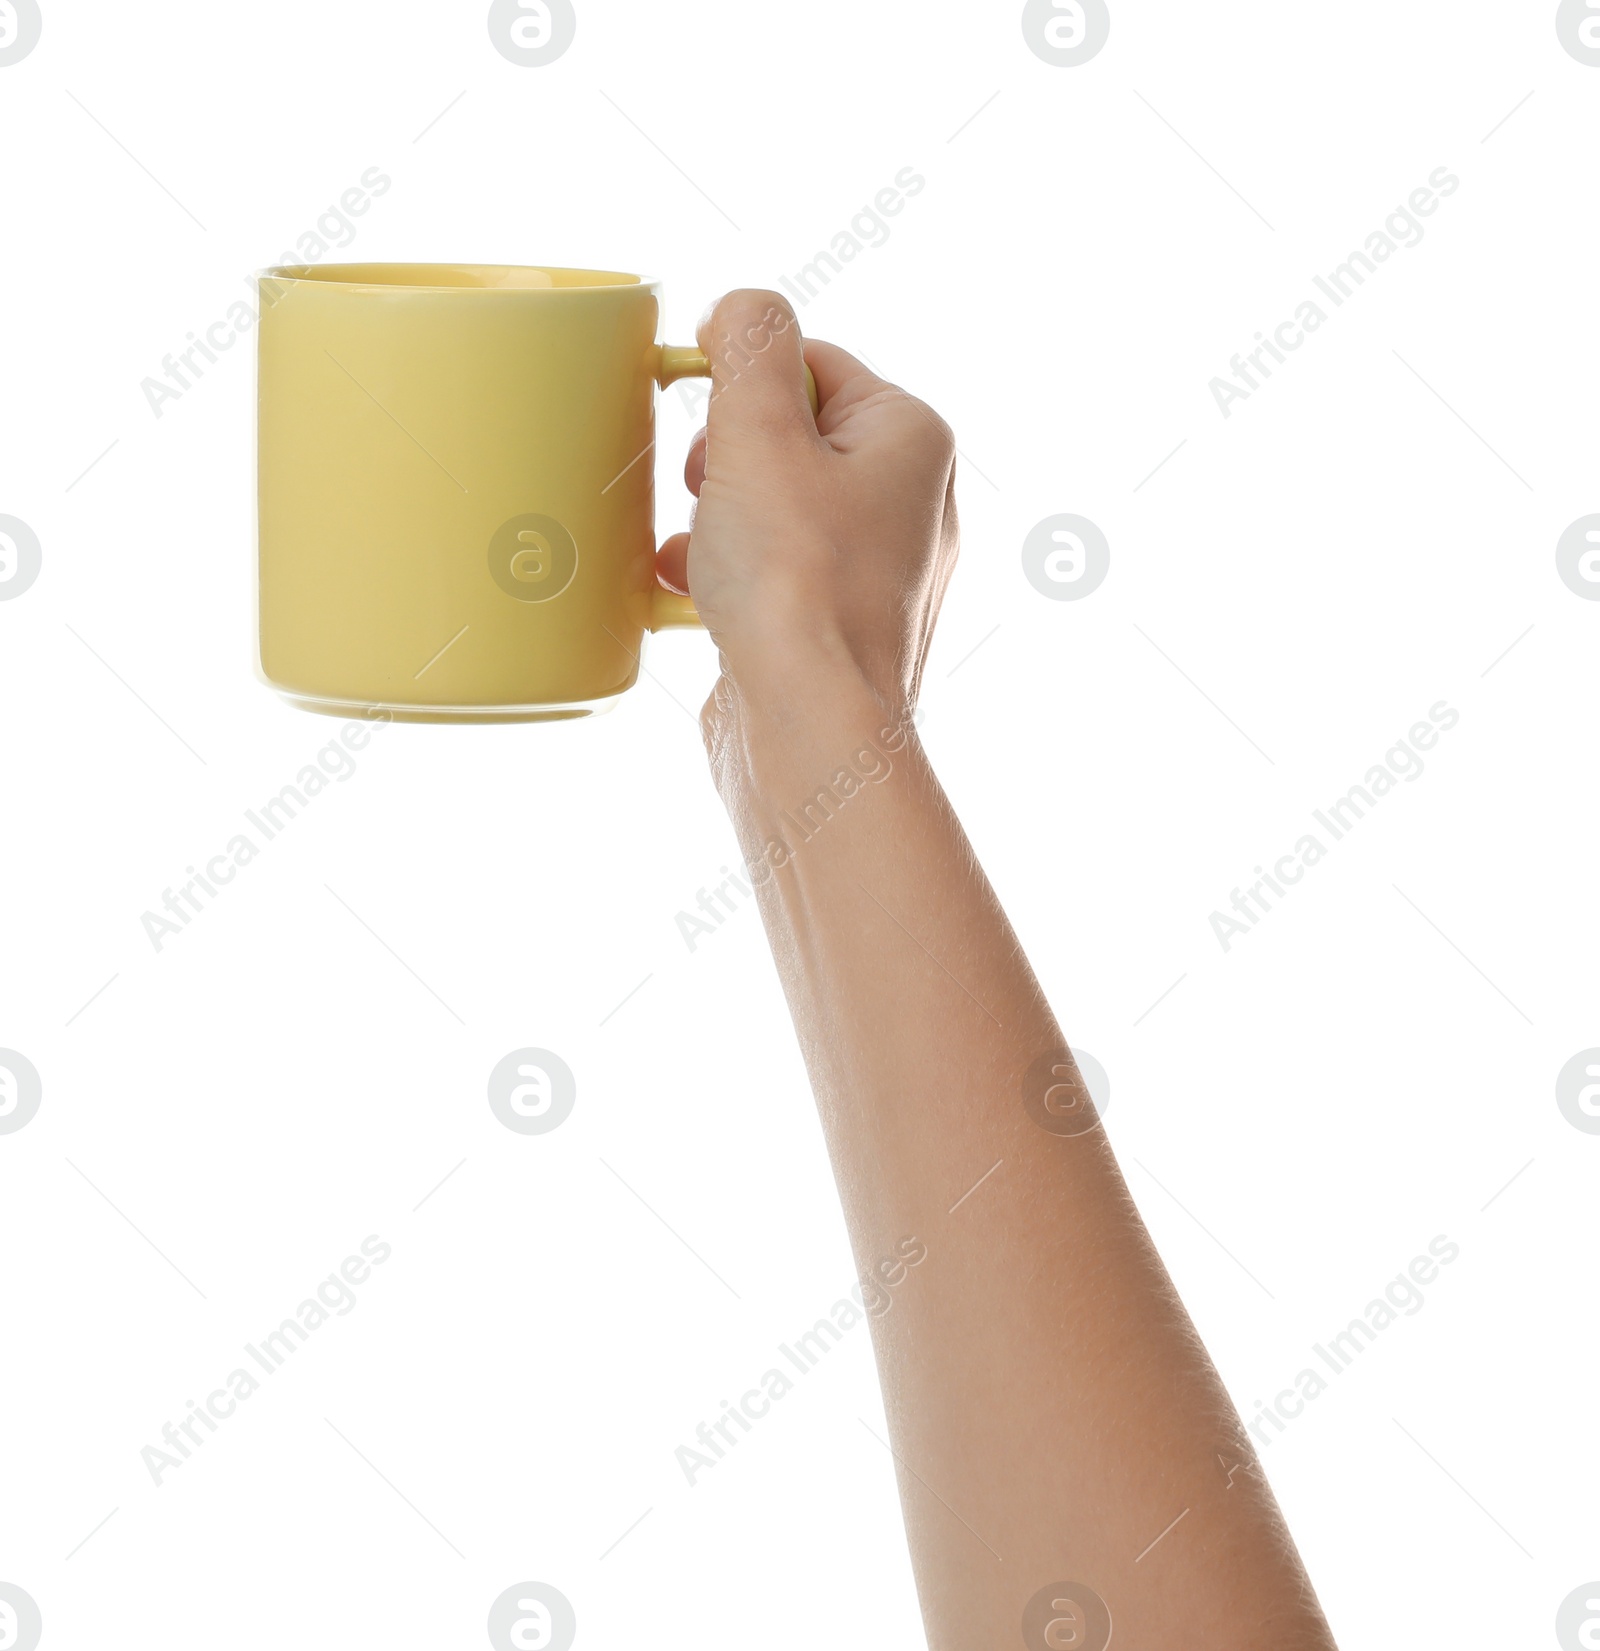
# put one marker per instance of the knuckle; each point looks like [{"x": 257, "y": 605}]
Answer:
[{"x": 936, "y": 432}]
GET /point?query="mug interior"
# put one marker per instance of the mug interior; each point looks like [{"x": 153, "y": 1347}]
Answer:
[{"x": 444, "y": 277}]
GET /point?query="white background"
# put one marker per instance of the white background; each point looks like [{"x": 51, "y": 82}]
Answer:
[{"x": 1288, "y": 594}]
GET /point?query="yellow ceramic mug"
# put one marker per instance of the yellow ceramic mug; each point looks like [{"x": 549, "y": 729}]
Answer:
[{"x": 456, "y": 488}]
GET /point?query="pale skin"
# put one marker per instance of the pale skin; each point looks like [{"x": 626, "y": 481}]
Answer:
[{"x": 1051, "y": 1407}]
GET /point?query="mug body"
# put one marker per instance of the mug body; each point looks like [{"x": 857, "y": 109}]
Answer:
[{"x": 455, "y": 488}]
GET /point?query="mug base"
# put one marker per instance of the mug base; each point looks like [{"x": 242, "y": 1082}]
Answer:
[{"x": 377, "y": 710}]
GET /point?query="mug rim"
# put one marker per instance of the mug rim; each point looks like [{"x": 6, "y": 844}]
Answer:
[{"x": 400, "y": 276}]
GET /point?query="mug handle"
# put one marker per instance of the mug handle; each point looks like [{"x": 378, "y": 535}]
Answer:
[{"x": 668, "y": 610}]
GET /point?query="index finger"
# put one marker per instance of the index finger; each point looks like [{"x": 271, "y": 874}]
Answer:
[{"x": 835, "y": 369}]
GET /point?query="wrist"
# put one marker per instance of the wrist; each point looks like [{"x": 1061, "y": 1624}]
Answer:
[{"x": 791, "y": 719}]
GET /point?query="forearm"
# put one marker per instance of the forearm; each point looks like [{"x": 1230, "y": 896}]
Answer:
[{"x": 1051, "y": 1409}]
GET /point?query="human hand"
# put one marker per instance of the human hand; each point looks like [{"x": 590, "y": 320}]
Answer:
[{"x": 818, "y": 545}]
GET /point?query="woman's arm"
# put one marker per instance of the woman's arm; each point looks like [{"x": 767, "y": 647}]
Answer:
[{"x": 1051, "y": 1408}]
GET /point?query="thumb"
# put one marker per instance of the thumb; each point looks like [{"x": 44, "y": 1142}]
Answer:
[{"x": 758, "y": 383}]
